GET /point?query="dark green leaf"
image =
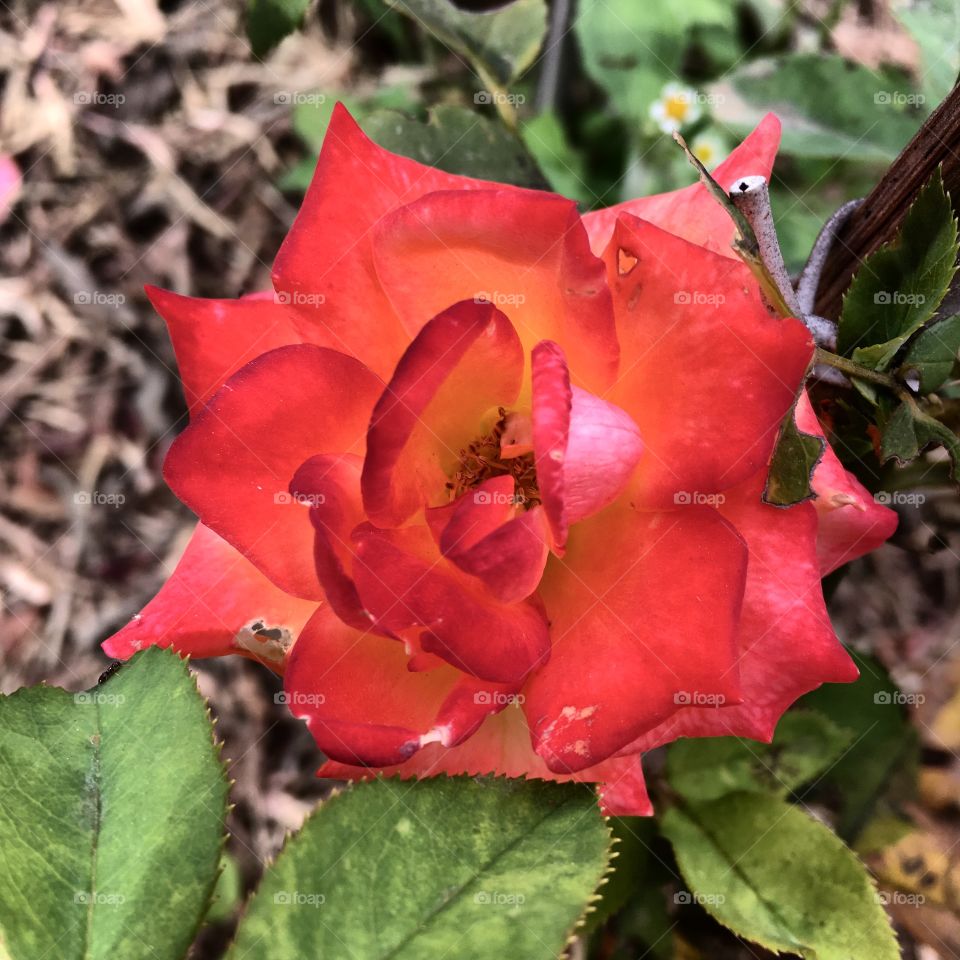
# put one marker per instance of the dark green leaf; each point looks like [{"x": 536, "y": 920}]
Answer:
[
  {"x": 910, "y": 431},
  {"x": 630, "y": 868},
  {"x": 806, "y": 743},
  {"x": 933, "y": 353},
  {"x": 880, "y": 762},
  {"x": 830, "y": 107},
  {"x": 899, "y": 287},
  {"x": 500, "y": 45},
  {"x": 478, "y": 869},
  {"x": 112, "y": 807},
  {"x": 455, "y": 140},
  {"x": 777, "y": 877},
  {"x": 795, "y": 457},
  {"x": 270, "y": 21}
]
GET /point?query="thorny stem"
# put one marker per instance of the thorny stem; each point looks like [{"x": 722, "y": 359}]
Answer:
[{"x": 853, "y": 369}]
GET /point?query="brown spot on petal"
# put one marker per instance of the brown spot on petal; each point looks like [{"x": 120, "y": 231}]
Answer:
[{"x": 264, "y": 640}]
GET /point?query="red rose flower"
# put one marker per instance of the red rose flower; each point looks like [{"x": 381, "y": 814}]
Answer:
[{"x": 482, "y": 478}]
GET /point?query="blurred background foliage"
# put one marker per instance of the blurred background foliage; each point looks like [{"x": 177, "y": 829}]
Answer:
[{"x": 591, "y": 91}]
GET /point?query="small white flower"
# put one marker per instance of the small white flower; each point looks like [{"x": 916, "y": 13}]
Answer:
[
  {"x": 678, "y": 106},
  {"x": 709, "y": 149}
]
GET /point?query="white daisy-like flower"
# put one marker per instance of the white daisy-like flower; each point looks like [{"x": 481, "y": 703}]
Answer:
[
  {"x": 709, "y": 149},
  {"x": 676, "y": 107}
]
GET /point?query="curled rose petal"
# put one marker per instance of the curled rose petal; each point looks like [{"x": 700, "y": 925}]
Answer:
[
  {"x": 232, "y": 466},
  {"x": 364, "y": 707},
  {"x": 462, "y": 364},
  {"x": 406, "y": 586},
  {"x": 490, "y": 535}
]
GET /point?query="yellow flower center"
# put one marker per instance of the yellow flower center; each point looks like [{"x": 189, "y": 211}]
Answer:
[{"x": 677, "y": 107}]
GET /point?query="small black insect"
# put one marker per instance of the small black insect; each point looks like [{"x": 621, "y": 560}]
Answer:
[{"x": 110, "y": 671}]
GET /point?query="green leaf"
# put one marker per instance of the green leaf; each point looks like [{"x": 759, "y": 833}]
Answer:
[
  {"x": 795, "y": 457},
  {"x": 806, "y": 743},
  {"x": 563, "y": 167},
  {"x": 777, "y": 877},
  {"x": 454, "y": 139},
  {"x": 899, "y": 287},
  {"x": 112, "y": 808},
  {"x": 467, "y": 868},
  {"x": 457, "y": 141},
  {"x": 633, "y": 49},
  {"x": 933, "y": 353},
  {"x": 910, "y": 431},
  {"x": 500, "y": 45},
  {"x": 880, "y": 762},
  {"x": 830, "y": 107},
  {"x": 270, "y": 21}
]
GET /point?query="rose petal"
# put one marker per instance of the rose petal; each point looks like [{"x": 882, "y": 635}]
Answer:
[
  {"x": 327, "y": 264},
  {"x": 363, "y": 706},
  {"x": 692, "y": 213},
  {"x": 485, "y": 536},
  {"x": 501, "y": 747},
  {"x": 524, "y": 250},
  {"x": 711, "y": 373},
  {"x": 406, "y": 585},
  {"x": 852, "y": 523},
  {"x": 214, "y": 603},
  {"x": 552, "y": 403},
  {"x": 213, "y": 339},
  {"x": 464, "y": 363},
  {"x": 787, "y": 644},
  {"x": 233, "y": 464},
  {"x": 644, "y": 611},
  {"x": 329, "y": 485}
]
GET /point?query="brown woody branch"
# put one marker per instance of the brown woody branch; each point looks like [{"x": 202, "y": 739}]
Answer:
[{"x": 876, "y": 221}]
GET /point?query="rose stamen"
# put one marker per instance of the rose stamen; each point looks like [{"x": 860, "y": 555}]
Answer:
[{"x": 481, "y": 460}]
